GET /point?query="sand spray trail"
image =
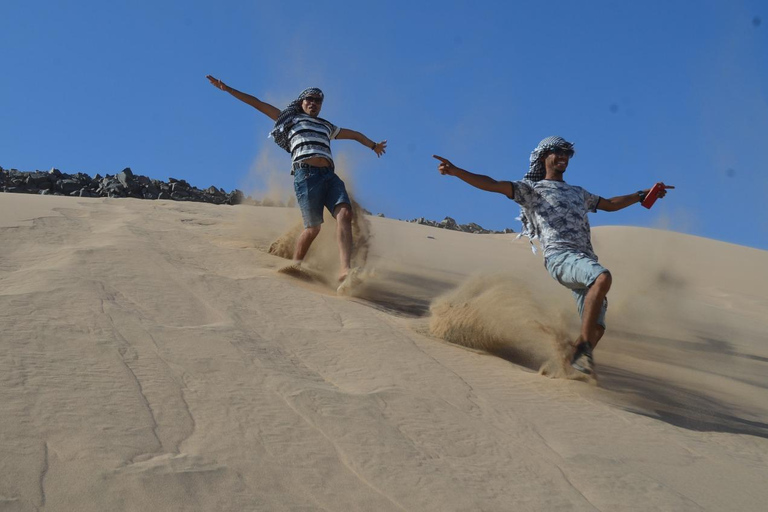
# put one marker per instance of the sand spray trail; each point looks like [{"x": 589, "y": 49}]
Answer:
[
  {"x": 323, "y": 255},
  {"x": 499, "y": 314}
]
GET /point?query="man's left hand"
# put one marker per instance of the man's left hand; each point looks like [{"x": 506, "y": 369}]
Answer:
[{"x": 380, "y": 148}]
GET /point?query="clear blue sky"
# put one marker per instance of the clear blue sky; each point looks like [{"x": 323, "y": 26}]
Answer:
[{"x": 649, "y": 91}]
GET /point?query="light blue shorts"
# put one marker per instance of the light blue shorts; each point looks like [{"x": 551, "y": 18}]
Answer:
[
  {"x": 318, "y": 187},
  {"x": 577, "y": 272}
]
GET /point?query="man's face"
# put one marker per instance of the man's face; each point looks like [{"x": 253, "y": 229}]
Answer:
[
  {"x": 558, "y": 159},
  {"x": 311, "y": 105}
]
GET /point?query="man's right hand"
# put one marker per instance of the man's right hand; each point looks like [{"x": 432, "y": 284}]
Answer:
[
  {"x": 217, "y": 83},
  {"x": 445, "y": 166}
]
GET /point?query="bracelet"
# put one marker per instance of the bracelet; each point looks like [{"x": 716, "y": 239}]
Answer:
[
  {"x": 374, "y": 146},
  {"x": 641, "y": 195}
]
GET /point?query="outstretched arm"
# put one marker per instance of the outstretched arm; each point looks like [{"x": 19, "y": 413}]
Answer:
[
  {"x": 263, "y": 107},
  {"x": 379, "y": 147},
  {"x": 476, "y": 180},
  {"x": 620, "y": 202}
]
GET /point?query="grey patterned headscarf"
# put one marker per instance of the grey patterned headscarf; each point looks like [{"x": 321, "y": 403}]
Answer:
[
  {"x": 283, "y": 123},
  {"x": 537, "y": 172}
]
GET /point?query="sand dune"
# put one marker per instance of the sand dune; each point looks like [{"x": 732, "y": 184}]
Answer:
[{"x": 152, "y": 359}]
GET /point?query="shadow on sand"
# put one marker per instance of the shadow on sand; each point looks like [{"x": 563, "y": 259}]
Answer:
[{"x": 678, "y": 405}]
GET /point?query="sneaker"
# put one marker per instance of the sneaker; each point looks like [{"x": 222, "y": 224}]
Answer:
[{"x": 582, "y": 359}]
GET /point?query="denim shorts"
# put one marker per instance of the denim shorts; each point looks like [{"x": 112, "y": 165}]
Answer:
[
  {"x": 577, "y": 272},
  {"x": 318, "y": 187}
]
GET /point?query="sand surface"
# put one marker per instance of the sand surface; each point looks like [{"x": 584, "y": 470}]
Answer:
[{"x": 152, "y": 359}]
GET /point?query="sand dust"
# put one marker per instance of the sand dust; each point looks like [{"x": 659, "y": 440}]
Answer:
[
  {"x": 323, "y": 254},
  {"x": 500, "y": 315},
  {"x": 269, "y": 180}
]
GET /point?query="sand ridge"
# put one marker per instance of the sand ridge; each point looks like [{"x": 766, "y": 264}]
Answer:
[{"x": 151, "y": 358}]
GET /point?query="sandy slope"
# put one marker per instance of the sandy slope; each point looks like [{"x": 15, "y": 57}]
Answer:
[{"x": 152, "y": 359}]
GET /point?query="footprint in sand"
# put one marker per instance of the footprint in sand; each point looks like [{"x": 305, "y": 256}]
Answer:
[{"x": 301, "y": 272}]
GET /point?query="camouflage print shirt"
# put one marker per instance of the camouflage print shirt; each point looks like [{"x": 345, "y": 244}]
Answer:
[{"x": 559, "y": 214}]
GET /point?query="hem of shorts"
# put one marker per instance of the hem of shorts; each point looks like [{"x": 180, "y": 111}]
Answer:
[
  {"x": 606, "y": 271},
  {"x": 314, "y": 225},
  {"x": 341, "y": 202}
]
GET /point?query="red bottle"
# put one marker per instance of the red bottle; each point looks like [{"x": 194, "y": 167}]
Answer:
[{"x": 653, "y": 195}]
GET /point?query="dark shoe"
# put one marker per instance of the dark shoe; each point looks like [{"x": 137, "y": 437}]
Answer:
[{"x": 582, "y": 359}]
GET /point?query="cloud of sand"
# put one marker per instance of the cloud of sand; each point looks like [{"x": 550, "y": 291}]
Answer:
[
  {"x": 269, "y": 179},
  {"x": 499, "y": 314},
  {"x": 323, "y": 255},
  {"x": 677, "y": 218}
]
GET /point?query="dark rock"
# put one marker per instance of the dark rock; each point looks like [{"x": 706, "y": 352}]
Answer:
[
  {"x": 179, "y": 186},
  {"x": 448, "y": 223},
  {"x": 37, "y": 179},
  {"x": 235, "y": 197},
  {"x": 127, "y": 184},
  {"x": 67, "y": 186},
  {"x": 126, "y": 179}
]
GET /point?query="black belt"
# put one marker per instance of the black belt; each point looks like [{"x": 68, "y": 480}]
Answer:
[{"x": 302, "y": 165}]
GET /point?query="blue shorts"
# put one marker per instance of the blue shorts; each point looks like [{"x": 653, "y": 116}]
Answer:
[
  {"x": 577, "y": 271},
  {"x": 318, "y": 187}
]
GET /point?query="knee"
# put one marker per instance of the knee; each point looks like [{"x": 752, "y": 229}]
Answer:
[
  {"x": 603, "y": 282},
  {"x": 343, "y": 214},
  {"x": 313, "y": 231}
]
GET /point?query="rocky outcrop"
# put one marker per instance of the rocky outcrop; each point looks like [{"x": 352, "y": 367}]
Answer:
[
  {"x": 127, "y": 184},
  {"x": 122, "y": 184},
  {"x": 449, "y": 223}
]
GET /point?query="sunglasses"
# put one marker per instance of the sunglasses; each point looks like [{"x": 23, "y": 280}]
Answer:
[
  {"x": 313, "y": 99},
  {"x": 562, "y": 152}
]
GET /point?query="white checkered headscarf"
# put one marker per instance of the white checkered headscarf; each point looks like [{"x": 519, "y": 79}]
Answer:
[
  {"x": 537, "y": 172},
  {"x": 280, "y": 131}
]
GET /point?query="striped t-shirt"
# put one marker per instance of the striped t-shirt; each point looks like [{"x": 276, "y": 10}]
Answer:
[{"x": 311, "y": 136}]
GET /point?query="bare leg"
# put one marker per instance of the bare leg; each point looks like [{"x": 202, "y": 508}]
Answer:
[
  {"x": 343, "y": 215},
  {"x": 590, "y": 330},
  {"x": 304, "y": 241}
]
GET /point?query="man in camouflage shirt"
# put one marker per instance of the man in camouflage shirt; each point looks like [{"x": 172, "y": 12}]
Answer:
[{"x": 556, "y": 213}]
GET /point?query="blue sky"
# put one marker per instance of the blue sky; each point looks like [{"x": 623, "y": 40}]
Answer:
[{"x": 649, "y": 91}]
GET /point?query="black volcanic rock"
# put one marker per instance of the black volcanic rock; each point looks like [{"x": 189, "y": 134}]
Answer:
[
  {"x": 127, "y": 184},
  {"x": 449, "y": 223},
  {"x": 123, "y": 184}
]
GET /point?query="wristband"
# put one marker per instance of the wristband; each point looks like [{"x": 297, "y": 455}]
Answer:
[
  {"x": 374, "y": 146},
  {"x": 640, "y": 195}
]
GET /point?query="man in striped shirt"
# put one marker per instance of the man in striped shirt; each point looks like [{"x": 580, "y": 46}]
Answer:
[{"x": 307, "y": 137}]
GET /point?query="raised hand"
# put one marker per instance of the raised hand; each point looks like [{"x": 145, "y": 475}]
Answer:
[
  {"x": 664, "y": 189},
  {"x": 217, "y": 83},
  {"x": 380, "y": 148},
  {"x": 445, "y": 166}
]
